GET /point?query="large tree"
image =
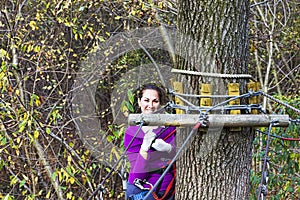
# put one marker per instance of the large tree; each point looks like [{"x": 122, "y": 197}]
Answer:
[{"x": 214, "y": 38}]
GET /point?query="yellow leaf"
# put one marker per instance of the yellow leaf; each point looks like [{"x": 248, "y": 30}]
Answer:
[
  {"x": 69, "y": 158},
  {"x": 2, "y": 74},
  {"x": 33, "y": 25},
  {"x": 48, "y": 195},
  {"x": 37, "y": 102},
  {"x": 17, "y": 92},
  {"x": 3, "y": 53},
  {"x": 37, "y": 49},
  {"x": 69, "y": 195},
  {"x": 36, "y": 134},
  {"x": 13, "y": 181},
  {"x": 72, "y": 180},
  {"x": 83, "y": 177}
]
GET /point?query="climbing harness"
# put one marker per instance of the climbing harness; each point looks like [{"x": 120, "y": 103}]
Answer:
[
  {"x": 169, "y": 192},
  {"x": 140, "y": 184},
  {"x": 201, "y": 123}
]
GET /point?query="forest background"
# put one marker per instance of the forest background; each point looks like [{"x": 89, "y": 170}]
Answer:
[{"x": 44, "y": 46}]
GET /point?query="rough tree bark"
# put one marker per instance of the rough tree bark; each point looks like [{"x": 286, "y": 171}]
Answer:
[{"x": 214, "y": 38}]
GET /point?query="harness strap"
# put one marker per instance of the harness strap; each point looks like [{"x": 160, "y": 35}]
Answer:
[
  {"x": 167, "y": 192},
  {"x": 161, "y": 171},
  {"x": 171, "y": 133}
]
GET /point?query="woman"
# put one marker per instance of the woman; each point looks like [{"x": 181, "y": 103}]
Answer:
[{"x": 150, "y": 151}]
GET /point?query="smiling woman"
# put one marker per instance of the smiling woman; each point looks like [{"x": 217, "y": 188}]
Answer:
[
  {"x": 150, "y": 150},
  {"x": 149, "y": 99}
]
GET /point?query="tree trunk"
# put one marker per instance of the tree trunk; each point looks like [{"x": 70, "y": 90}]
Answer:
[{"x": 214, "y": 38}]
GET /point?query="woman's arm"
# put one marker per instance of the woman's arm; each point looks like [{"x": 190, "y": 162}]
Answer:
[{"x": 139, "y": 167}]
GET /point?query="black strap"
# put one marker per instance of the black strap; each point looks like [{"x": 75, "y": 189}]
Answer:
[{"x": 157, "y": 136}]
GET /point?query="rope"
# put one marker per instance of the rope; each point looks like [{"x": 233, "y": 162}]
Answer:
[
  {"x": 222, "y": 108},
  {"x": 280, "y": 102},
  {"x": 181, "y": 98},
  {"x": 201, "y": 96},
  {"x": 296, "y": 121},
  {"x": 213, "y": 75},
  {"x": 192, "y": 107},
  {"x": 249, "y": 94},
  {"x": 279, "y": 137},
  {"x": 232, "y": 97},
  {"x": 262, "y": 189}
]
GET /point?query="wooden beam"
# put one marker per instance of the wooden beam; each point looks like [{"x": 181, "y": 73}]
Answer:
[{"x": 214, "y": 120}]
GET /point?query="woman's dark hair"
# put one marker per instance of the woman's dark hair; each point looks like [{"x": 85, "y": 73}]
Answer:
[{"x": 150, "y": 86}]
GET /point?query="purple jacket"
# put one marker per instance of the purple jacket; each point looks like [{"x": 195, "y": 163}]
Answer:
[{"x": 141, "y": 168}]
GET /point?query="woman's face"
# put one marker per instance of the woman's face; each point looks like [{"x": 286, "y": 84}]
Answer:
[{"x": 149, "y": 101}]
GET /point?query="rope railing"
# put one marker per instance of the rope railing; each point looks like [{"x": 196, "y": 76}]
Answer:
[
  {"x": 279, "y": 137},
  {"x": 280, "y": 102},
  {"x": 231, "y": 98},
  {"x": 213, "y": 75}
]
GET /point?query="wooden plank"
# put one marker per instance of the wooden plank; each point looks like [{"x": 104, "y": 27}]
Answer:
[{"x": 215, "y": 120}]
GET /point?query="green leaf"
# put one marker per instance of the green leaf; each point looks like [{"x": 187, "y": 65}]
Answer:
[
  {"x": 129, "y": 106},
  {"x": 7, "y": 197},
  {"x": 22, "y": 126},
  {"x": 3, "y": 141},
  {"x": 2, "y": 164},
  {"x": 130, "y": 97},
  {"x": 13, "y": 181},
  {"x": 110, "y": 138},
  {"x": 22, "y": 183},
  {"x": 48, "y": 131},
  {"x": 54, "y": 175}
]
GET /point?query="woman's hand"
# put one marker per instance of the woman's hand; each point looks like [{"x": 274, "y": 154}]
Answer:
[
  {"x": 161, "y": 145},
  {"x": 147, "y": 141}
]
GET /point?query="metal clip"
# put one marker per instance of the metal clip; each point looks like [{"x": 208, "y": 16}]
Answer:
[
  {"x": 140, "y": 184},
  {"x": 203, "y": 119}
]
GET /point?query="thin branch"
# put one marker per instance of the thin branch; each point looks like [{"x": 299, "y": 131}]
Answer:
[{"x": 49, "y": 171}]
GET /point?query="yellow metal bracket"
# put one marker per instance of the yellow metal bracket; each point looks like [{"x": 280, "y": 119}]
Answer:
[
  {"x": 178, "y": 87},
  {"x": 254, "y": 86},
  {"x": 205, "y": 90},
  {"x": 234, "y": 89}
]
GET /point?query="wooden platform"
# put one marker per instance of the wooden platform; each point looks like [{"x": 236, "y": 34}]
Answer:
[{"x": 215, "y": 120}]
